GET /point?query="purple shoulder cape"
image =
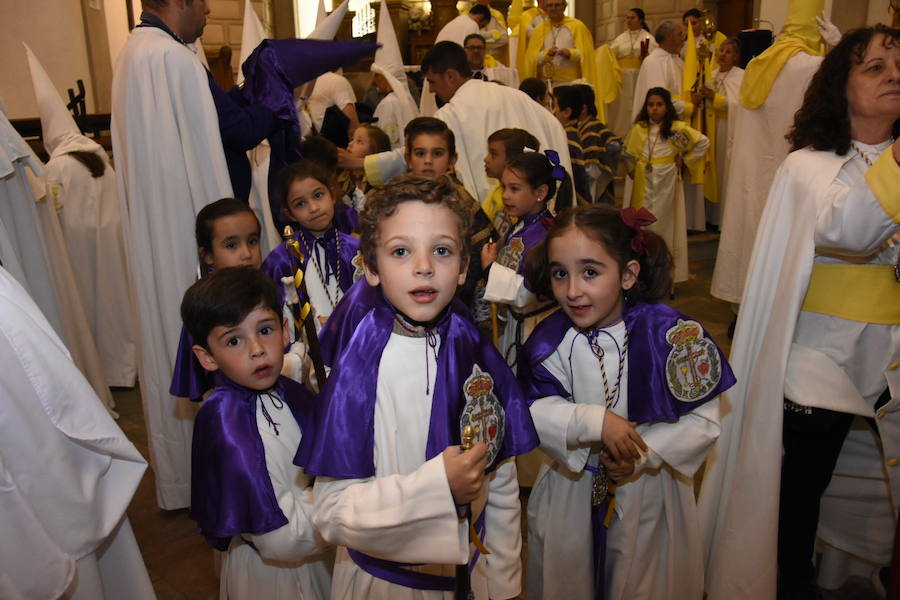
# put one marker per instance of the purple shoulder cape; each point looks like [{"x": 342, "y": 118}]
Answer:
[
  {"x": 661, "y": 340},
  {"x": 231, "y": 492},
  {"x": 189, "y": 379},
  {"x": 518, "y": 244},
  {"x": 344, "y": 437},
  {"x": 279, "y": 263}
]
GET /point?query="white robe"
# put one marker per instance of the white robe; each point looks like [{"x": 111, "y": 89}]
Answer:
[
  {"x": 457, "y": 29},
  {"x": 34, "y": 247},
  {"x": 627, "y": 44},
  {"x": 406, "y": 512},
  {"x": 761, "y": 148},
  {"x": 659, "y": 69},
  {"x": 476, "y": 110},
  {"x": 818, "y": 199},
  {"x": 67, "y": 472},
  {"x": 170, "y": 164},
  {"x": 390, "y": 119},
  {"x": 287, "y": 563},
  {"x": 728, "y": 85},
  {"x": 91, "y": 221},
  {"x": 654, "y": 549}
]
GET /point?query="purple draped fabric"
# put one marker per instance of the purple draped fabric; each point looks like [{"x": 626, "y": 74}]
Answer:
[
  {"x": 189, "y": 379},
  {"x": 343, "y": 443},
  {"x": 231, "y": 492},
  {"x": 649, "y": 397}
]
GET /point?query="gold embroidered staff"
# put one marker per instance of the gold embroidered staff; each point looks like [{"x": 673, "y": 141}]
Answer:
[{"x": 302, "y": 312}]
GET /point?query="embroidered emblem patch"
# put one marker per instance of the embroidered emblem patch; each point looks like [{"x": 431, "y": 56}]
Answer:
[
  {"x": 511, "y": 254},
  {"x": 483, "y": 412},
  {"x": 693, "y": 368},
  {"x": 680, "y": 140},
  {"x": 357, "y": 264}
]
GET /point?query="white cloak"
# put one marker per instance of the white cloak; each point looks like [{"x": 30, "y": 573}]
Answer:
[
  {"x": 807, "y": 207},
  {"x": 476, "y": 110},
  {"x": 67, "y": 472},
  {"x": 761, "y": 148},
  {"x": 390, "y": 119},
  {"x": 457, "y": 29},
  {"x": 170, "y": 164},
  {"x": 654, "y": 549},
  {"x": 659, "y": 69},
  {"x": 626, "y": 45},
  {"x": 406, "y": 512},
  {"x": 729, "y": 85}
]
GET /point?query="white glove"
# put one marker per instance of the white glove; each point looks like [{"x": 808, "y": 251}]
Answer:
[
  {"x": 829, "y": 33},
  {"x": 294, "y": 360}
]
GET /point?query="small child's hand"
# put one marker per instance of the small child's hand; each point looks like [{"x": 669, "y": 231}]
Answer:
[
  {"x": 489, "y": 254},
  {"x": 617, "y": 471},
  {"x": 621, "y": 439},
  {"x": 465, "y": 471},
  {"x": 349, "y": 161}
]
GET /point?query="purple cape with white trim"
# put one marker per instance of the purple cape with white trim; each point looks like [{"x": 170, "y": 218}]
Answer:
[
  {"x": 280, "y": 263},
  {"x": 231, "y": 492},
  {"x": 650, "y": 397},
  {"x": 342, "y": 445}
]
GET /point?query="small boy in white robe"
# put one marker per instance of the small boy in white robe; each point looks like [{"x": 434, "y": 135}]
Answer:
[
  {"x": 409, "y": 372},
  {"x": 247, "y": 497}
]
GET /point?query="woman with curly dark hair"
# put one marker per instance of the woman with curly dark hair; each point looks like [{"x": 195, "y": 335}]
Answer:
[{"x": 818, "y": 338}]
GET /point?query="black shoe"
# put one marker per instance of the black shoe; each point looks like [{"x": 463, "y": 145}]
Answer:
[{"x": 731, "y": 329}]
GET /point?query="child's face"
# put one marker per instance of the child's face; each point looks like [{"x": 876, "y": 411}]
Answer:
[
  {"x": 235, "y": 242},
  {"x": 360, "y": 145},
  {"x": 310, "y": 203},
  {"x": 656, "y": 108},
  {"x": 429, "y": 156},
  {"x": 563, "y": 115},
  {"x": 586, "y": 281},
  {"x": 495, "y": 159},
  {"x": 250, "y": 353},
  {"x": 519, "y": 198},
  {"x": 381, "y": 84},
  {"x": 420, "y": 260}
]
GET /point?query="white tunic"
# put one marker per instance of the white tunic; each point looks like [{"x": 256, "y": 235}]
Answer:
[
  {"x": 67, "y": 472},
  {"x": 169, "y": 165},
  {"x": 288, "y": 564},
  {"x": 406, "y": 512},
  {"x": 390, "y": 119},
  {"x": 754, "y": 160},
  {"x": 818, "y": 201},
  {"x": 627, "y": 45},
  {"x": 331, "y": 90},
  {"x": 727, "y": 84},
  {"x": 653, "y": 544},
  {"x": 659, "y": 69},
  {"x": 457, "y": 29}
]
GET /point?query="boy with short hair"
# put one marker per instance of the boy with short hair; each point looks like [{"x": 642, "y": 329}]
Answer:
[
  {"x": 602, "y": 148},
  {"x": 567, "y": 107},
  {"x": 390, "y": 473},
  {"x": 503, "y": 145},
  {"x": 248, "y": 498},
  {"x": 431, "y": 153}
]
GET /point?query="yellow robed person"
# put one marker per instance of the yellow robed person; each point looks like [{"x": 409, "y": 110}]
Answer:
[
  {"x": 520, "y": 21},
  {"x": 559, "y": 68},
  {"x": 696, "y": 79}
]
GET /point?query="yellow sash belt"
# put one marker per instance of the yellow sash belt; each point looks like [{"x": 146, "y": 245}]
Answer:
[
  {"x": 630, "y": 62},
  {"x": 865, "y": 293}
]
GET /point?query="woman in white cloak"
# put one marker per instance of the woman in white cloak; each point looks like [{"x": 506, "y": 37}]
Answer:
[{"x": 630, "y": 47}]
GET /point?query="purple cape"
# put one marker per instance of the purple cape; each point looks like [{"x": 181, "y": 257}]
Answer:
[
  {"x": 343, "y": 442},
  {"x": 189, "y": 379},
  {"x": 649, "y": 396},
  {"x": 231, "y": 492},
  {"x": 280, "y": 263},
  {"x": 518, "y": 244}
]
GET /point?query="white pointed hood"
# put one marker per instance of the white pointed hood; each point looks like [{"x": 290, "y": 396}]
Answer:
[
  {"x": 61, "y": 134},
  {"x": 389, "y": 63},
  {"x": 321, "y": 13},
  {"x": 327, "y": 29},
  {"x": 252, "y": 36}
]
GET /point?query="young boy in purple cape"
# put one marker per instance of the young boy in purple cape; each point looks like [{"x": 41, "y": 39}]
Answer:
[
  {"x": 248, "y": 498},
  {"x": 409, "y": 371}
]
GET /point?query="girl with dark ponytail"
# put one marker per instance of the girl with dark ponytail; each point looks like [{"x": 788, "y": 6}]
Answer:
[{"x": 623, "y": 392}]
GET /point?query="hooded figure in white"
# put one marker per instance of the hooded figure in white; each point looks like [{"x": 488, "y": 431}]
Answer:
[
  {"x": 91, "y": 220},
  {"x": 397, "y": 108},
  {"x": 33, "y": 249}
]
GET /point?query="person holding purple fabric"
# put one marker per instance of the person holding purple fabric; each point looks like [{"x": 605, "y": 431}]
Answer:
[
  {"x": 409, "y": 370},
  {"x": 624, "y": 395},
  {"x": 248, "y": 498}
]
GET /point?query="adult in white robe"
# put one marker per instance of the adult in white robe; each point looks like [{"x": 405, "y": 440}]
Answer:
[
  {"x": 663, "y": 67},
  {"x": 826, "y": 213},
  {"x": 473, "y": 110},
  {"x": 91, "y": 221},
  {"x": 414, "y": 498},
  {"x": 67, "y": 472},
  {"x": 35, "y": 247},
  {"x": 727, "y": 86},
  {"x": 170, "y": 163},
  {"x": 627, "y": 48},
  {"x": 654, "y": 549},
  {"x": 457, "y": 29}
]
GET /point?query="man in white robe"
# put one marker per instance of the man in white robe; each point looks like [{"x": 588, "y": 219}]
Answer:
[
  {"x": 170, "y": 163},
  {"x": 473, "y": 110},
  {"x": 458, "y": 28},
  {"x": 91, "y": 221},
  {"x": 67, "y": 472},
  {"x": 663, "y": 67}
]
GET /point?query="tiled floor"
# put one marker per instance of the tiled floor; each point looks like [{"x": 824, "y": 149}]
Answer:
[{"x": 178, "y": 560}]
